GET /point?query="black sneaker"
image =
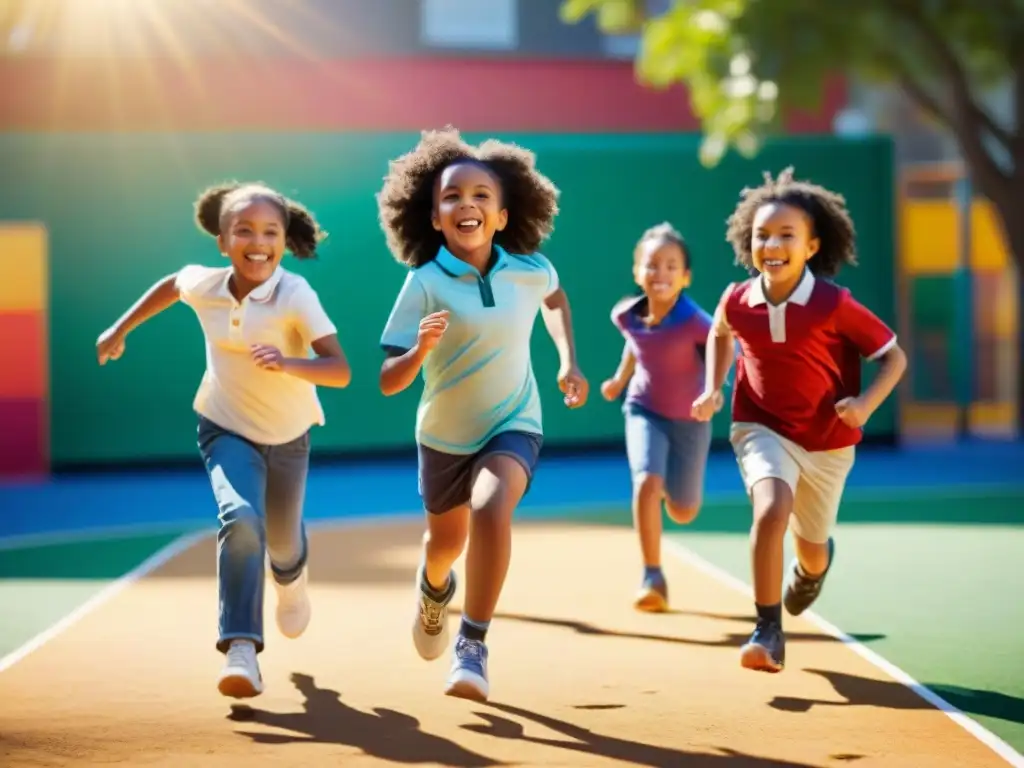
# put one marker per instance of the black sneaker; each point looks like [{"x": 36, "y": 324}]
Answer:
[
  {"x": 802, "y": 591},
  {"x": 766, "y": 649}
]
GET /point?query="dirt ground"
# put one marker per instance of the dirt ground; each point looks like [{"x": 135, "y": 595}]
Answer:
[{"x": 577, "y": 676}]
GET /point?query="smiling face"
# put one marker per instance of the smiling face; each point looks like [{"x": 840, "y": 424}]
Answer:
[
  {"x": 782, "y": 243},
  {"x": 253, "y": 238},
  {"x": 468, "y": 209},
  {"x": 661, "y": 270}
]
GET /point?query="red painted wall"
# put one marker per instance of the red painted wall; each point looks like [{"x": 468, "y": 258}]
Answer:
[{"x": 377, "y": 94}]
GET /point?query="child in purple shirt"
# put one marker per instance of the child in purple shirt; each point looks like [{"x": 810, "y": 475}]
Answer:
[{"x": 663, "y": 366}]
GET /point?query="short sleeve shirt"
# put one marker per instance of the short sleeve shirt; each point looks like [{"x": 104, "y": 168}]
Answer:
[
  {"x": 799, "y": 358},
  {"x": 266, "y": 407},
  {"x": 478, "y": 381},
  {"x": 669, "y": 372}
]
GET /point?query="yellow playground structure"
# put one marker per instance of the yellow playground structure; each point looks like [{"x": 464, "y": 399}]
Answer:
[{"x": 952, "y": 264}]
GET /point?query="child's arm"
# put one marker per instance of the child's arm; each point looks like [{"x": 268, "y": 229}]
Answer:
[
  {"x": 856, "y": 411},
  {"x": 875, "y": 341},
  {"x": 330, "y": 367},
  {"x": 613, "y": 387},
  {"x": 719, "y": 355},
  {"x": 400, "y": 369},
  {"x": 160, "y": 296},
  {"x": 409, "y": 335},
  {"x": 558, "y": 321}
]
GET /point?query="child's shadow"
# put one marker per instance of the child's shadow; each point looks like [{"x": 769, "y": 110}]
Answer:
[
  {"x": 580, "y": 739},
  {"x": 890, "y": 694},
  {"x": 382, "y": 733}
]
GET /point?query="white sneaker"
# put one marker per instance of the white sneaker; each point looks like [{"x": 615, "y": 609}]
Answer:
[
  {"x": 430, "y": 626},
  {"x": 241, "y": 678},
  {"x": 293, "y": 606}
]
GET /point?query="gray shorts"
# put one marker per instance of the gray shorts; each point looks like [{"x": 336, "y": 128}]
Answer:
[
  {"x": 446, "y": 479},
  {"x": 674, "y": 450}
]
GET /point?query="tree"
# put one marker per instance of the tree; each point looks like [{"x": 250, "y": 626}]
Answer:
[{"x": 745, "y": 61}]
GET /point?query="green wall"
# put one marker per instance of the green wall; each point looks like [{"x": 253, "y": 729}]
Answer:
[{"x": 118, "y": 209}]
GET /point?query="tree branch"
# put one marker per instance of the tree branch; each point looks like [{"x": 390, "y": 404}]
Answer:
[
  {"x": 966, "y": 119},
  {"x": 1018, "y": 99},
  {"x": 926, "y": 101}
]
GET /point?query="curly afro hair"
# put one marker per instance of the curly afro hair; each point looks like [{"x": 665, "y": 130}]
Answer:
[
  {"x": 215, "y": 205},
  {"x": 406, "y": 201},
  {"x": 830, "y": 221},
  {"x": 662, "y": 233}
]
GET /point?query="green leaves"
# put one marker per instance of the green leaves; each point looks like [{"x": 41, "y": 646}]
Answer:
[
  {"x": 613, "y": 16},
  {"x": 744, "y": 61}
]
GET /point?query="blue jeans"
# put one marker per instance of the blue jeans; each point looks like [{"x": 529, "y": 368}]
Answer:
[{"x": 260, "y": 490}]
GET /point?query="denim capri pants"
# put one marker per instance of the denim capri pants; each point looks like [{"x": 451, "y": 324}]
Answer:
[{"x": 676, "y": 450}]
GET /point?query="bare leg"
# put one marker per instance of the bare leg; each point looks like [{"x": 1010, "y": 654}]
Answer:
[
  {"x": 813, "y": 558},
  {"x": 773, "y": 501},
  {"x": 497, "y": 490},
  {"x": 443, "y": 542},
  {"x": 648, "y": 491},
  {"x": 499, "y": 485}
]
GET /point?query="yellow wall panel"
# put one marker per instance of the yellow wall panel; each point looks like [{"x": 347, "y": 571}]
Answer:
[
  {"x": 988, "y": 248},
  {"x": 24, "y": 283},
  {"x": 928, "y": 236}
]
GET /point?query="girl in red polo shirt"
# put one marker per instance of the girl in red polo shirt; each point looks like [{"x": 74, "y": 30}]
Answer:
[{"x": 798, "y": 408}]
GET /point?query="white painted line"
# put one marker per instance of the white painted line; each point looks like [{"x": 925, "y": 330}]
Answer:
[
  {"x": 105, "y": 533},
  {"x": 106, "y": 594},
  {"x": 169, "y": 552},
  {"x": 986, "y": 737}
]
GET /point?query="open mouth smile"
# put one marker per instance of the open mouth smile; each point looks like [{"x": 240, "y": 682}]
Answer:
[{"x": 468, "y": 225}]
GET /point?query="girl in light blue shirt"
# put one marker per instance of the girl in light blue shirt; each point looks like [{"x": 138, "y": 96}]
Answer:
[{"x": 468, "y": 221}]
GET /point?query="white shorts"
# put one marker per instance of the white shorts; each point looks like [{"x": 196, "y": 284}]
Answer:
[{"x": 817, "y": 478}]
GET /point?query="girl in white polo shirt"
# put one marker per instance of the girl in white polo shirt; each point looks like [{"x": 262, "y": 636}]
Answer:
[{"x": 256, "y": 404}]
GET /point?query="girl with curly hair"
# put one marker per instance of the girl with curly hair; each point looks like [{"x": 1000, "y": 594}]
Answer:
[
  {"x": 468, "y": 222},
  {"x": 798, "y": 407},
  {"x": 269, "y": 344}
]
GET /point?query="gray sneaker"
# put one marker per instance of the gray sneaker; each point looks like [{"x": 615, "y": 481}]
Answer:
[{"x": 802, "y": 591}]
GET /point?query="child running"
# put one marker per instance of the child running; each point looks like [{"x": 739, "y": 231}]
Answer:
[
  {"x": 468, "y": 221},
  {"x": 798, "y": 406},
  {"x": 256, "y": 404},
  {"x": 663, "y": 366}
]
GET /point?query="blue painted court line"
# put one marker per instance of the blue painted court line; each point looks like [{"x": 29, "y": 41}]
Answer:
[{"x": 341, "y": 491}]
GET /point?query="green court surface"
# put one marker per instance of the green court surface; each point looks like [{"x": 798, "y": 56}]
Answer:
[
  {"x": 935, "y": 593},
  {"x": 41, "y": 584}
]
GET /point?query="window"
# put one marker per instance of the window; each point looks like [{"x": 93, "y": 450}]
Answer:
[{"x": 469, "y": 24}]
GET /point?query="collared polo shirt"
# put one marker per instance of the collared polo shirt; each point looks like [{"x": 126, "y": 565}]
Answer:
[
  {"x": 800, "y": 357},
  {"x": 478, "y": 380},
  {"x": 669, "y": 372},
  {"x": 266, "y": 407}
]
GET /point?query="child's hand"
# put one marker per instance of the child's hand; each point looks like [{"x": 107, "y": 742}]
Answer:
[
  {"x": 267, "y": 357},
  {"x": 574, "y": 386},
  {"x": 707, "y": 405},
  {"x": 853, "y": 412},
  {"x": 611, "y": 389},
  {"x": 110, "y": 345},
  {"x": 432, "y": 328}
]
